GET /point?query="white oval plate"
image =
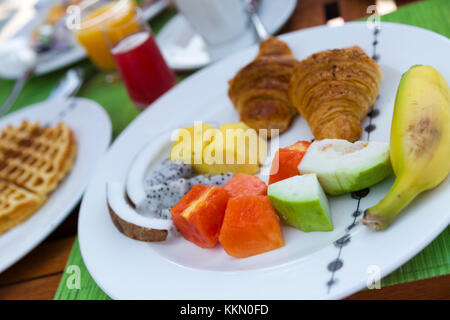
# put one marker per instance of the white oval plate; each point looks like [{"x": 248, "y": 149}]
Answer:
[
  {"x": 303, "y": 268},
  {"x": 92, "y": 129}
]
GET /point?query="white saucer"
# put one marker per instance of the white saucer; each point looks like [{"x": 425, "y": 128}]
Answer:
[{"x": 184, "y": 49}]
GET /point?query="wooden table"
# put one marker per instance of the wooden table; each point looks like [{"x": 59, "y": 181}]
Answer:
[{"x": 37, "y": 275}]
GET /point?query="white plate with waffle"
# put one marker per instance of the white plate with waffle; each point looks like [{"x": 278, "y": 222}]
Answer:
[{"x": 51, "y": 188}]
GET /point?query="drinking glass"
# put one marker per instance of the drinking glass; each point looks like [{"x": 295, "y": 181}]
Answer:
[
  {"x": 96, "y": 15},
  {"x": 137, "y": 57}
]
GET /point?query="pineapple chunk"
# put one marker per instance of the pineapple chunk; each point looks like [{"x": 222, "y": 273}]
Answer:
[
  {"x": 234, "y": 147},
  {"x": 189, "y": 143}
]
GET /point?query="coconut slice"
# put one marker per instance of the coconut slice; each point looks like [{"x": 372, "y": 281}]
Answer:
[
  {"x": 129, "y": 222},
  {"x": 342, "y": 166},
  {"x": 139, "y": 168}
]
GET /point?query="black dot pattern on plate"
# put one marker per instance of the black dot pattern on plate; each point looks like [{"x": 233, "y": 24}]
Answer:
[
  {"x": 357, "y": 213},
  {"x": 371, "y": 127},
  {"x": 350, "y": 227},
  {"x": 338, "y": 263},
  {"x": 358, "y": 195},
  {"x": 342, "y": 241},
  {"x": 374, "y": 113},
  {"x": 335, "y": 265},
  {"x": 375, "y": 56},
  {"x": 331, "y": 282}
]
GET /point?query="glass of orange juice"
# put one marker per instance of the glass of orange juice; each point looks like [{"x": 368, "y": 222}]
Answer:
[{"x": 99, "y": 16}]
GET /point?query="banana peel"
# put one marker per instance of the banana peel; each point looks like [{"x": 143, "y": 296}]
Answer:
[{"x": 420, "y": 142}]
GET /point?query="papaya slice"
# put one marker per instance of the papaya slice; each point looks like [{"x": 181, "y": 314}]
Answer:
[
  {"x": 199, "y": 214},
  {"x": 250, "y": 227},
  {"x": 243, "y": 185},
  {"x": 286, "y": 161}
]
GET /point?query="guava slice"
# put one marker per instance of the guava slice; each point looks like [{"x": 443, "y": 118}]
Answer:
[
  {"x": 342, "y": 166},
  {"x": 301, "y": 203}
]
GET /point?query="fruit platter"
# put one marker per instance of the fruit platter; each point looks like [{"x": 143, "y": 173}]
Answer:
[{"x": 295, "y": 169}]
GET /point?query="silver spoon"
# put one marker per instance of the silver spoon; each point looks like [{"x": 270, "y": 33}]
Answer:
[
  {"x": 65, "y": 89},
  {"x": 30, "y": 58},
  {"x": 252, "y": 11},
  {"x": 69, "y": 85}
]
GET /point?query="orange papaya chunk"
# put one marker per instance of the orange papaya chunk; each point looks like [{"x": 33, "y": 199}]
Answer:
[
  {"x": 243, "y": 185},
  {"x": 301, "y": 146},
  {"x": 199, "y": 214},
  {"x": 250, "y": 227},
  {"x": 286, "y": 161}
]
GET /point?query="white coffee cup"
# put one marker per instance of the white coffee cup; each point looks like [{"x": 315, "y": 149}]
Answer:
[{"x": 217, "y": 21}]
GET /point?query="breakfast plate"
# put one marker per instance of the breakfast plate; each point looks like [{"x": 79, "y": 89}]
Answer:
[
  {"x": 315, "y": 265},
  {"x": 92, "y": 128}
]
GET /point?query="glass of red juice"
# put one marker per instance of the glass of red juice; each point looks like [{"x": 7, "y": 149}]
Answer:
[{"x": 140, "y": 63}]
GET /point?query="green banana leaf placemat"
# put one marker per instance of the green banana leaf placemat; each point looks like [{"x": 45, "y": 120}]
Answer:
[{"x": 434, "y": 260}]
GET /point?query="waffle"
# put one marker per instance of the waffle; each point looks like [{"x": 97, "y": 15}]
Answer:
[
  {"x": 35, "y": 159},
  {"x": 16, "y": 205}
]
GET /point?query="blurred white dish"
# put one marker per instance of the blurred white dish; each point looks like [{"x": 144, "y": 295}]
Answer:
[
  {"x": 12, "y": 64},
  {"x": 184, "y": 49},
  {"x": 217, "y": 21}
]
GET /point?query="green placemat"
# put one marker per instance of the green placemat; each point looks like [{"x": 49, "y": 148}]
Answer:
[{"x": 76, "y": 282}]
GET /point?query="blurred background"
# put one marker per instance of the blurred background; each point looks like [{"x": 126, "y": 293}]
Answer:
[{"x": 16, "y": 16}]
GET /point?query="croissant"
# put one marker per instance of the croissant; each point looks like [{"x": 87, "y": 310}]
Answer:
[
  {"x": 259, "y": 91},
  {"x": 334, "y": 90}
]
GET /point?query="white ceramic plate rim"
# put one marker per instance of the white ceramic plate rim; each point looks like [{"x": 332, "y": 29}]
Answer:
[
  {"x": 102, "y": 142},
  {"x": 356, "y": 281}
]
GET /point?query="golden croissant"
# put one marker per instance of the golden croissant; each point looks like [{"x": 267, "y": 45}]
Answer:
[
  {"x": 259, "y": 91},
  {"x": 334, "y": 90}
]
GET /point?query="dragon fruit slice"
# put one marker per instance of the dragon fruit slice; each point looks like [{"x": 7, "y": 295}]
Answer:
[
  {"x": 160, "y": 198},
  {"x": 164, "y": 195},
  {"x": 169, "y": 170},
  {"x": 163, "y": 214},
  {"x": 210, "y": 180}
]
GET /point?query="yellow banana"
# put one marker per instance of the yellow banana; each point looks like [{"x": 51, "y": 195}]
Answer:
[{"x": 420, "y": 142}]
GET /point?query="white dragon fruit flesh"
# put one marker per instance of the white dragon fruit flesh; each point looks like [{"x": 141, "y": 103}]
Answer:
[
  {"x": 160, "y": 198},
  {"x": 169, "y": 170}
]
